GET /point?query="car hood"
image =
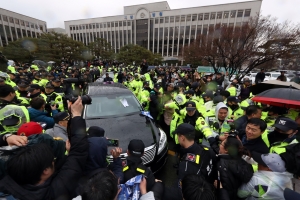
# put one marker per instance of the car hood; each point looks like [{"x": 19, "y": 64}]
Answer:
[{"x": 125, "y": 129}]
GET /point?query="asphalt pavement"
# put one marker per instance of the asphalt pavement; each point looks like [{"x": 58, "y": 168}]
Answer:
[{"x": 168, "y": 174}]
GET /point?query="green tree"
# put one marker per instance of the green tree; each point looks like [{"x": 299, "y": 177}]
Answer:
[
  {"x": 21, "y": 50},
  {"x": 101, "y": 48},
  {"x": 135, "y": 53},
  {"x": 49, "y": 47}
]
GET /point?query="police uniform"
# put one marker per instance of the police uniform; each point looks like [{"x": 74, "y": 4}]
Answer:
[
  {"x": 54, "y": 98},
  {"x": 133, "y": 165},
  {"x": 278, "y": 141},
  {"x": 202, "y": 129},
  {"x": 196, "y": 159}
]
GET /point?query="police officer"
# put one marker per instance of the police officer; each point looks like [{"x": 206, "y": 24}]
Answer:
[
  {"x": 57, "y": 86},
  {"x": 21, "y": 89},
  {"x": 273, "y": 113},
  {"x": 133, "y": 165},
  {"x": 283, "y": 135},
  {"x": 233, "y": 105},
  {"x": 53, "y": 98},
  {"x": 34, "y": 90},
  {"x": 193, "y": 117},
  {"x": 194, "y": 158}
]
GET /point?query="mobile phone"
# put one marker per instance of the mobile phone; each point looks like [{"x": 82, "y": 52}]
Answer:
[{"x": 112, "y": 143}]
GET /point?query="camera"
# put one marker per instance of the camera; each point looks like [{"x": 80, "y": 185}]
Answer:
[{"x": 86, "y": 99}]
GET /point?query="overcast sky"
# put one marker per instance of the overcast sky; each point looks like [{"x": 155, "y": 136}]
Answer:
[{"x": 55, "y": 12}]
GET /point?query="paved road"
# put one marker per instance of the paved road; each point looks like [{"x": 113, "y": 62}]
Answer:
[{"x": 168, "y": 174}]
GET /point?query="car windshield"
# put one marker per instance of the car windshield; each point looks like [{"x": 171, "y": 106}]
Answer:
[{"x": 112, "y": 105}]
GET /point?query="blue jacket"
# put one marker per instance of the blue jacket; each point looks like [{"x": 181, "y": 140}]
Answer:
[{"x": 41, "y": 116}]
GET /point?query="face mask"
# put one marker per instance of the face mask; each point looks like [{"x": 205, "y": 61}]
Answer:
[
  {"x": 281, "y": 136},
  {"x": 233, "y": 106},
  {"x": 35, "y": 95},
  {"x": 187, "y": 97}
]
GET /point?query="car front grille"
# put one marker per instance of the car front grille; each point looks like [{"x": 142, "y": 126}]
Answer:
[{"x": 148, "y": 156}]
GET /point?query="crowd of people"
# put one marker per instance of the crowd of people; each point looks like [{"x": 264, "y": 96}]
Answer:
[{"x": 226, "y": 146}]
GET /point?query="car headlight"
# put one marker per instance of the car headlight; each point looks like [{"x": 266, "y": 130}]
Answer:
[{"x": 162, "y": 141}]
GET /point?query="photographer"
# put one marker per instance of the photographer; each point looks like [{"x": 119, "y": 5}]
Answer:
[{"x": 31, "y": 174}]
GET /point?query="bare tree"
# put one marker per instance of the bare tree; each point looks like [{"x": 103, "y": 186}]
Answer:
[{"x": 240, "y": 49}]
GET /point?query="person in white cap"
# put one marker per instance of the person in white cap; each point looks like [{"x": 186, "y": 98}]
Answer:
[{"x": 269, "y": 181}]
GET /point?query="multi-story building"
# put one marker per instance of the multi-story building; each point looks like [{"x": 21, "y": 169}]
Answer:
[
  {"x": 158, "y": 28},
  {"x": 14, "y": 26}
]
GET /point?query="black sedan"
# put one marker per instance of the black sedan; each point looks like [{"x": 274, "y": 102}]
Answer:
[{"x": 119, "y": 113}]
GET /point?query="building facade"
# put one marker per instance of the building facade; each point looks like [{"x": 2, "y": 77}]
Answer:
[
  {"x": 14, "y": 26},
  {"x": 158, "y": 28}
]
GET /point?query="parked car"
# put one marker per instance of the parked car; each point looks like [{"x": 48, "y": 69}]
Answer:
[
  {"x": 274, "y": 76},
  {"x": 116, "y": 109}
]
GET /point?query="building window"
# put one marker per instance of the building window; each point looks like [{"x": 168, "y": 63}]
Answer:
[
  {"x": 188, "y": 18},
  {"x": 94, "y": 26},
  {"x": 42, "y": 29},
  {"x": 27, "y": 24},
  {"x": 206, "y": 16},
  {"x": 116, "y": 25},
  {"x": 124, "y": 23},
  {"x": 233, "y": 14},
  {"x": 77, "y": 28},
  {"x": 32, "y": 25},
  {"x": 240, "y": 13},
  {"x": 80, "y": 27},
  {"x": 226, "y": 14},
  {"x": 4, "y": 18},
  {"x": 90, "y": 26},
  {"x": 83, "y": 26},
  {"x": 219, "y": 15},
  {"x": 177, "y": 18},
  {"x": 112, "y": 24},
  {"x": 108, "y": 25},
  {"x": 97, "y": 25},
  {"x": 182, "y": 19},
  {"x": 11, "y": 20},
  {"x": 104, "y": 25},
  {"x": 247, "y": 13},
  {"x": 156, "y": 20},
  {"x": 213, "y": 16},
  {"x": 101, "y": 26},
  {"x": 70, "y": 28},
  {"x": 161, "y": 20},
  {"x": 194, "y": 17},
  {"x": 36, "y": 27},
  {"x": 200, "y": 17},
  {"x": 166, "y": 19},
  {"x": 128, "y": 23},
  {"x": 22, "y": 23},
  {"x": 16, "y": 21},
  {"x": 120, "y": 24},
  {"x": 172, "y": 19}
]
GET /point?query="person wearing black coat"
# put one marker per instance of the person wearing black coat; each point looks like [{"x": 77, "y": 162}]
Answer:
[
  {"x": 233, "y": 170},
  {"x": 24, "y": 181}
]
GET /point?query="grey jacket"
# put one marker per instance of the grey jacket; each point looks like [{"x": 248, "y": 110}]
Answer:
[{"x": 58, "y": 131}]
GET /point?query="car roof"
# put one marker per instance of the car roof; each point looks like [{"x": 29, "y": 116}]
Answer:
[{"x": 97, "y": 88}]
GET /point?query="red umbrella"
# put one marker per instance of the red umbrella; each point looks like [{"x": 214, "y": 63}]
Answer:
[{"x": 283, "y": 97}]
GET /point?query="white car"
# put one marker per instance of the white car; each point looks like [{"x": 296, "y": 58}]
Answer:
[{"x": 274, "y": 76}]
